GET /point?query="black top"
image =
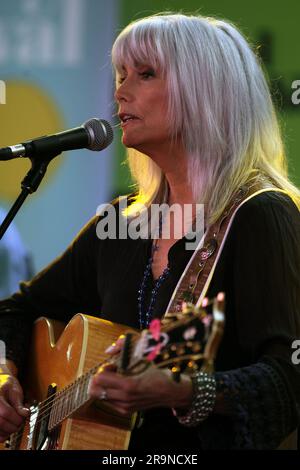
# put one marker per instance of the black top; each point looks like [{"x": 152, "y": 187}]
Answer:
[{"x": 259, "y": 272}]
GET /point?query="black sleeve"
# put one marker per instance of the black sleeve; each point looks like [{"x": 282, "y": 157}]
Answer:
[
  {"x": 263, "y": 396},
  {"x": 267, "y": 276},
  {"x": 65, "y": 287}
]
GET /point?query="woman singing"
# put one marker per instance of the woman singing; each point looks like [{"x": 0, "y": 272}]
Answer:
[{"x": 199, "y": 124}]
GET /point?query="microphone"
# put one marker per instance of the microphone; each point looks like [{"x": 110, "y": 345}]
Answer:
[{"x": 94, "y": 134}]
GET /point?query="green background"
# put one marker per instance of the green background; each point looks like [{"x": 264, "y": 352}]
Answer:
[{"x": 274, "y": 27}]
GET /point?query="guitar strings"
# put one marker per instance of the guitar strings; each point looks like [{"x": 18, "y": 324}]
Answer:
[
  {"x": 46, "y": 405},
  {"x": 91, "y": 371},
  {"x": 61, "y": 393},
  {"x": 43, "y": 411},
  {"x": 42, "y": 415}
]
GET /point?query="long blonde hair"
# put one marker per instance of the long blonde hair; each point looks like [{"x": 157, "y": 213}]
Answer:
[{"x": 219, "y": 101}]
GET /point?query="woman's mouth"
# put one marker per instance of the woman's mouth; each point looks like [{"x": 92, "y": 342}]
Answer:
[{"x": 127, "y": 118}]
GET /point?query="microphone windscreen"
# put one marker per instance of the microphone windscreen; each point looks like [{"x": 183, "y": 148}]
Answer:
[{"x": 100, "y": 133}]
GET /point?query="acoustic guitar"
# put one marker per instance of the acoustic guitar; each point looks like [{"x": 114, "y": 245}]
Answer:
[{"x": 63, "y": 359}]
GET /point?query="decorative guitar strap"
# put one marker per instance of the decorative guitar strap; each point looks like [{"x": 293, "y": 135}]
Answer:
[{"x": 195, "y": 280}]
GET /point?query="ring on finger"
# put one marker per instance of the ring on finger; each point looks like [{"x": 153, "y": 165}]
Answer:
[{"x": 103, "y": 395}]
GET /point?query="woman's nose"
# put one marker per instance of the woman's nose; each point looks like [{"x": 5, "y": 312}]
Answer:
[
  {"x": 118, "y": 96},
  {"x": 124, "y": 92}
]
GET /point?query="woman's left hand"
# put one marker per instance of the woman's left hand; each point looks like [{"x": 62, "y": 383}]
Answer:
[{"x": 151, "y": 389}]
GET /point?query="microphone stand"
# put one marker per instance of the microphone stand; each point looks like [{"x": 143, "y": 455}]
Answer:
[{"x": 29, "y": 185}]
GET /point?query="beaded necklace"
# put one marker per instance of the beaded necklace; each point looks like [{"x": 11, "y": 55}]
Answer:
[{"x": 145, "y": 316}]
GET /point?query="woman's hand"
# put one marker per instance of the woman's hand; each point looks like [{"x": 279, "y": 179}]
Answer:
[
  {"x": 150, "y": 389},
  {"x": 12, "y": 411}
]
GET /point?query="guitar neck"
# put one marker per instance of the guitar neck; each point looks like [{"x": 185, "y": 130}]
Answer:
[
  {"x": 70, "y": 399},
  {"x": 74, "y": 396}
]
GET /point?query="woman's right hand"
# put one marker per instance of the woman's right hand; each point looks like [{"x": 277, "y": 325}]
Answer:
[{"x": 12, "y": 410}]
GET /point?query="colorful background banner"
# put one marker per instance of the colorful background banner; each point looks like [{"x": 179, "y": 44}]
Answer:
[{"x": 55, "y": 61}]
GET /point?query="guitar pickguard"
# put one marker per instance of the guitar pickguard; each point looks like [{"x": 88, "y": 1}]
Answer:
[{"x": 39, "y": 437}]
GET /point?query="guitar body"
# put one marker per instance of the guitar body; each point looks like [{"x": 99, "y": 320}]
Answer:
[
  {"x": 63, "y": 360},
  {"x": 60, "y": 356}
]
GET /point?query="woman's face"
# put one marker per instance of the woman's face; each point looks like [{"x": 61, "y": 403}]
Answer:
[{"x": 141, "y": 94}]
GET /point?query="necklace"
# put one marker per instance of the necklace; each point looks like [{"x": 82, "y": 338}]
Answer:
[{"x": 145, "y": 315}]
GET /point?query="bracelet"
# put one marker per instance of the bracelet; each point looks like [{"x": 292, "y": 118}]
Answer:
[{"x": 204, "y": 399}]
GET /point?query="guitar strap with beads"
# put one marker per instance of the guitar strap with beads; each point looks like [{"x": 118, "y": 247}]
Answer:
[{"x": 195, "y": 280}]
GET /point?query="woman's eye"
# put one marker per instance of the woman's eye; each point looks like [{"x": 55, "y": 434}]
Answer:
[
  {"x": 147, "y": 74},
  {"x": 144, "y": 75}
]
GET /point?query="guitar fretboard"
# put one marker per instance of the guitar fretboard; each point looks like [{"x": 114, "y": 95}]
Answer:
[
  {"x": 74, "y": 396},
  {"x": 70, "y": 399}
]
